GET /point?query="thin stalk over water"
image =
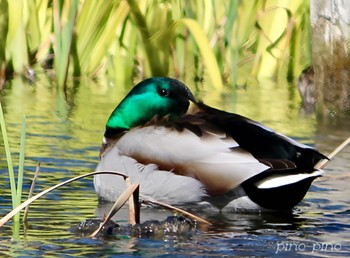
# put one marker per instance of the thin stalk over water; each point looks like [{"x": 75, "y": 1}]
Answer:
[
  {"x": 16, "y": 192},
  {"x": 31, "y": 191},
  {"x": 21, "y": 163},
  {"x": 8, "y": 158}
]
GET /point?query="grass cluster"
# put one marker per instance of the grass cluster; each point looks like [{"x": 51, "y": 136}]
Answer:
[
  {"x": 119, "y": 38},
  {"x": 16, "y": 191}
]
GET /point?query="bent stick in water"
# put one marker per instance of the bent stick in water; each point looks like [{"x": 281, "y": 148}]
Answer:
[
  {"x": 29, "y": 201},
  {"x": 323, "y": 163}
]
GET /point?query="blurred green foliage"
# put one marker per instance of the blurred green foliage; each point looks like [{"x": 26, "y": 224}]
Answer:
[{"x": 123, "y": 38}]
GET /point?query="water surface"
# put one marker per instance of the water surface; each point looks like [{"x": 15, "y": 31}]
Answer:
[{"x": 65, "y": 137}]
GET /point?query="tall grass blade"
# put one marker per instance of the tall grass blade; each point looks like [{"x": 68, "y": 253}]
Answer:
[
  {"x": 16, "y": 43},
  {"x": 97, "y": 32},
  {"x": 3, "y": 33},
  {"x": 21, "y": 166},
  {"x": 8, "y": 158},
  {"x": 300, "y": 44},
  {"x": 151, "y": 52},
  {"x": 38, "y": 29},
  {"x": 33, "y": 24},
  {"x": 206, "y": 51},
  {"x": 231, "y": 42},
  {"x": 57, "y": 13},
  {"x": 64, "y": 35}
]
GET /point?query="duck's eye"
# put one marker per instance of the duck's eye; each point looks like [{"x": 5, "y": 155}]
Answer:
[{"x": 163, "y": 92}]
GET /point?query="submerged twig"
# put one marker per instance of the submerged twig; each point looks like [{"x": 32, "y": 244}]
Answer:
[
  {"x": 117, "y": 205},
  {"x": 186, "y": 213},
  {"x": 31, "y": 191},
  {"x": 323, "y": 163},
  {"x": 134, "y": 206},
  {"x": 12, "y": 213}
]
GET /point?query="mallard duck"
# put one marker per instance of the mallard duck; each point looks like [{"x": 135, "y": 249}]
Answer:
[{"x": 206, "y": 156}]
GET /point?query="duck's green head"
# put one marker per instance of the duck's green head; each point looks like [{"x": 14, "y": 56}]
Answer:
[{"x": 152, "y": 97}]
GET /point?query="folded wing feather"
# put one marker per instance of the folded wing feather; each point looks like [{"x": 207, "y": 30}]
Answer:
[{"x": 215, "y": 160}]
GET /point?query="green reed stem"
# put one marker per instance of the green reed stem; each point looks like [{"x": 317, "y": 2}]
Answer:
[
  {"x": 8, "y": 158},
  {"x": 64, "y": 36},
  {"x": 151, "y": 52},
  {"x": 16, "y": 193},
  {"x": 21, "y": 164}
]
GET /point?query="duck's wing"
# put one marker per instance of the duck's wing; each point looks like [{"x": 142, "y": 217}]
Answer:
[
  {"x": 291, "y": 164},
  {"x": 262, "y": 142},
  {"x": 192, "y": 147},
  {"x": 157, "y": 184}
]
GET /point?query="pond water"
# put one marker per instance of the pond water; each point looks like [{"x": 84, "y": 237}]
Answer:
[{"x": 65, "y": 137}]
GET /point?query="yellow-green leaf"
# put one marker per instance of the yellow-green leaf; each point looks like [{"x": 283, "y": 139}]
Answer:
[{"x": 206, "y": 51}]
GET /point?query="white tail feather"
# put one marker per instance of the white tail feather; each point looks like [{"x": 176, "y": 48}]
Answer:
[{"x": 287, "y": 180}]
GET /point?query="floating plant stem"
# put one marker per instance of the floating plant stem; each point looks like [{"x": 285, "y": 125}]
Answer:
[{"x": 183, "y": 212}]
